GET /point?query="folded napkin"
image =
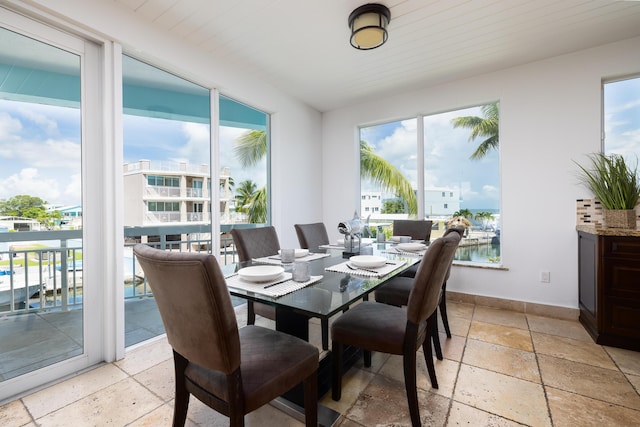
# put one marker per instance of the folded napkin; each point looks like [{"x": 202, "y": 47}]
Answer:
[
  {"x": 332, "y": 247},
  {"x": 378, "y": 272},
  {"x": 276, "y": 260},
  {"x": 274, "y": 288}
]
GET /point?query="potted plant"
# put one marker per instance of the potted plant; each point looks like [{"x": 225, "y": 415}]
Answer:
[{"x": 616, "y": 186}]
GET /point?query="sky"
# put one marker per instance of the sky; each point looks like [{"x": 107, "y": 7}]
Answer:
[
  {"x": 446, "y": 153},
  {"x": 40, "y": 150}
]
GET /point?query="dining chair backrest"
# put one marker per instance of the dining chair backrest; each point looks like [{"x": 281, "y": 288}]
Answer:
[
  {"x": 255, "y": 242},
  {"x": 195, "y": 306},
  {"x": 417, "y": 229},
  {"x": 425, "y": 294},
  {"x": 312, "y": 236}
]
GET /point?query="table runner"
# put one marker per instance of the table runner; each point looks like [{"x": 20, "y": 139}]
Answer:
[
  {"x": 275, "y": 259},
  {"x": 369, "y": 272},
  {"x": 274, "y": 288}
]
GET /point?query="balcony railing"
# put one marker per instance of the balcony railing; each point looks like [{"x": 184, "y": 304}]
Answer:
[{"x": 42, "y": 270}]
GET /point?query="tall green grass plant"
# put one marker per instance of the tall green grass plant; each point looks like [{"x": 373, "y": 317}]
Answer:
[{"x": 614, "y": 183}]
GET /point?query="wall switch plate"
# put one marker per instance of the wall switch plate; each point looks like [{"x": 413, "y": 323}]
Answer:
[{"x": 545, "y": 276}]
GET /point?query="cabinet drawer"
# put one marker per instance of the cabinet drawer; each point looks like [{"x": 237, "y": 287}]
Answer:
[
  {"x": 621, "y": 318},
  {"x": 622, "y": 278},
  {"x": 621, "y": 246}
]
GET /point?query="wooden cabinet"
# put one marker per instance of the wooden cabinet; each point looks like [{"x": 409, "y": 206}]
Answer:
[{"x": 609, "y": 288}]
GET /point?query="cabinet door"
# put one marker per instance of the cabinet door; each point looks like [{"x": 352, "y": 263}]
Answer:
[
  {"x": 587, "y": 273},
  {"x": 621, "y": 296}
]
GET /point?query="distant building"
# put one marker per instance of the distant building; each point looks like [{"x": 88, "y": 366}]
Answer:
[
  {"x": 439, "y": 202},
  {"x": 15, "y": 223}
]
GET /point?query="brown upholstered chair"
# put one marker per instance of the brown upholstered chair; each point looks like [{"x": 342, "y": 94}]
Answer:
[
  {"x": 417, "y": 229},
  {"x": 234, "y": 371},
  {"x": 255, "y": 243},
  {"x": 398, "y": 330},
  {"x": 396, "y": 292},
  {"x": 312, "y": 236}
]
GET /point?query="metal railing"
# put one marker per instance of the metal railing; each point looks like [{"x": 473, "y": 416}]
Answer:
[{"x": 42, "y": 270}]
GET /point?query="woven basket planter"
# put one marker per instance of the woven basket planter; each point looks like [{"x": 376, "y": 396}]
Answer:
[{"x": 620, "y": 218}]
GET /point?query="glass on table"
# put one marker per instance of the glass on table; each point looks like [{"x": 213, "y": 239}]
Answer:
[
  {"x": 287, "y": 255},
  {"x": 301, "y": 271}
]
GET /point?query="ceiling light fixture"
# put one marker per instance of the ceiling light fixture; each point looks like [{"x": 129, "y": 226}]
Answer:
[{"x": 368, "y": 25}]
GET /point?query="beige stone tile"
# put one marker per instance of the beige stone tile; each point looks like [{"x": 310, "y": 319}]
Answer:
[
  {"x": 446, "y": 373},
  {"x": 587, "y": 380},
  {"x": 459, "y": 309},
  {"x": 502, "y": 317},
  {"x": 552, "y": 311},
  {"x": 162, "y": 416},
  {"x": 377, "y": 361},
  {"x": 459, "y": 297},
  {"x": 464, "y": 415},
  {"x": 502, "y": 335},
  {"x": 384, "y": 403},
  {"x": 64, "y": 393},
  {"x": 354, "y": 381},
  {"x": 118, "y": 405},
  {"x": 505, "y": 360},
  {"x": 505, "y": 304},
  {"x": 627, "y": 360},
  {"x": 159, "y": 379},
  {"x": 452, "y": 348},
  {"x": 570, "y": 349},
  {"x": 502, "y": 395},
  {"x": 145, "y": 356},
  {"x": 14, "y": 414},
  {"x": 635, "y": 381},
  {"x": 568, "y": 409},
  {"x": 459, "y": 326},
  {"x": 266, "y": 415},
  {"x": 562, "y": 328}
]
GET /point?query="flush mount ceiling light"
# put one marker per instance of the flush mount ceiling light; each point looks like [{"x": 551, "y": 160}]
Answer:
[{"x": 368, "y": 25}]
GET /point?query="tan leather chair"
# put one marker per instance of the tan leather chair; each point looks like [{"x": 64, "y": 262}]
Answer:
[
  {"x": 396, "y": 292},
  {"x": 256, "y": 243},
  {"x": 232, "y": 371},
  {"x": 417, "y": 229},
  {"x": 386, "y": 328},
  {"x": 312, "y": 236}
]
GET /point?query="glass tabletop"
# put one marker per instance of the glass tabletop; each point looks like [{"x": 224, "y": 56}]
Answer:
[{"x": 333, "y": 293}]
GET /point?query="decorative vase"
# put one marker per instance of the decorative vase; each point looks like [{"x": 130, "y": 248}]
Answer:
[{"x": 620, "y": 218}]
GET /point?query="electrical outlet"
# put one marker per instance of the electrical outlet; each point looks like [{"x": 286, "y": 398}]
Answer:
[{"x": 545, "y": 276}]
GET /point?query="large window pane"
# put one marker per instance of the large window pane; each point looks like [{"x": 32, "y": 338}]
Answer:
[
  {"x": 462, "y": 178},
  {"x": 166, "y": 130},
  {"x": 622, "y": 118},
  {"x": 41, "y": 286}
]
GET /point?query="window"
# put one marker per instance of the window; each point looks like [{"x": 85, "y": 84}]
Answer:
[
  {"x": 163, "y": 181},
  {"x": 461, "y": 170},
  {"x": 621, "y": 118}
]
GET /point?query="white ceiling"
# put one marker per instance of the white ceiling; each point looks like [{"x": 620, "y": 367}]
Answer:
[{"x": 302, "y": 46}]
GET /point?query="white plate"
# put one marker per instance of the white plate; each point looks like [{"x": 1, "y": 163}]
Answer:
[
  {"x": 260, "y": 273},
  {"x": 299, "y": 252},
  {"x": 397, "y": 238},
  {"x": 368, "y": 261},
  {"x": 411, "y": 247}
]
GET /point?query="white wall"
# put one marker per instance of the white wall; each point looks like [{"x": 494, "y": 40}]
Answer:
[
  {"x": 550, "y": 116},
  {"x": 296, "y": 127}
]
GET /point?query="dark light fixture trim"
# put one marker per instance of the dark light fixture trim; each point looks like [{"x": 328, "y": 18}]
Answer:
[{"x": 368, "y": 25}]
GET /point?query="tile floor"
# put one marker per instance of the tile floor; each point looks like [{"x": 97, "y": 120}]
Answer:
[{"x": 501, "y": 368}]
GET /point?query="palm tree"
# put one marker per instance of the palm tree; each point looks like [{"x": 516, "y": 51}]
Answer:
[
  {"x": 244, "y": 193},
  {"x": 486, "y": 126},
  {"x": 464, "y": 212},
  {"x": 252, "y": 147},
  {"x": 484, "y": 218},
  {"x": 383, "y": 173}
]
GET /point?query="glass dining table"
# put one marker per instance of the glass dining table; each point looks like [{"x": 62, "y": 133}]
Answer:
[{"x": 330, "y": 295}]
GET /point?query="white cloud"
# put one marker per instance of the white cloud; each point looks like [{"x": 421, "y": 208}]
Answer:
[{"x": 28, "y": 181}]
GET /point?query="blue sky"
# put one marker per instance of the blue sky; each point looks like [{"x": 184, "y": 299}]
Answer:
[
  {"x": 447, "y": 152},
  {"x": 40, "y": 149}
]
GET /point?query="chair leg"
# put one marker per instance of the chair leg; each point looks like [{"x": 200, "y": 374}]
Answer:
[
  {"x": 443, "y": 310},
  {"x": 428, "y": 355},
  {"x": 367, "y": 358},
  {"x": 433, "y": 332},
  {"x": 311, "y": 400},
  {"x": 409, "y": 363},
  {"x": 181, "y": 403},
  {"x": 336, "y": 361},
  {"x": 324, "y": 327},
  {"x": 251, "y": 314}
]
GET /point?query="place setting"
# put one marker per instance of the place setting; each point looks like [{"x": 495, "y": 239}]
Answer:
[
  {"x": 412, "y": 248},
  {"x": 287, "y": 256},
  {"x": 367, "y": 265},
  {"x": 272, "y": 280}
]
